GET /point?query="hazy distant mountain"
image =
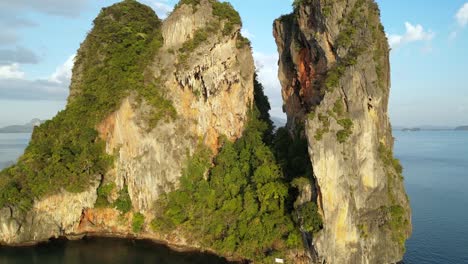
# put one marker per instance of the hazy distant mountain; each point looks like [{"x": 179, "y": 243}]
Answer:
[
  {"x": 4, "y": 164},
  {"x": 278, "y": 121},
  {"x": 411, "y": 129},
  {"x": 425, "y": 128},
  {"x": 462, "y": 128},
  {"x": 26, "y": 128}
]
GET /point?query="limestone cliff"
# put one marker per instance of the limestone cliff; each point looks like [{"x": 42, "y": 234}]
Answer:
[
  {"x": 196, "y": 87},
  {"x": 334, "y": 70},
  {"x": 211, "y": 90}
]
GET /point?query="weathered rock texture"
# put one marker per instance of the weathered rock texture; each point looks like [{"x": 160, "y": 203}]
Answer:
[
  {"x": 51, "y": 217},
  {"x": 211, "y": 89},
  {"x": 334, "y": 70}
]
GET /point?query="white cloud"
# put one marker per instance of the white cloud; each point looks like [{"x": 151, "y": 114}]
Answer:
[
  {"x": 63, "y": 73},
  {"x": 11, "y": 71},
  {"x": 462, "y": 15},
  {"x": 267, "y": 69},
  {"x": 162, "y": 8},
  {"x": 15, "y": 86},
  {"x": 246, "y": 33},
  {"x": 413, "y": 33}
]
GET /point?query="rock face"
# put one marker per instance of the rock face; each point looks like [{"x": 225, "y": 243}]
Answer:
[
  {"x": 334, "y": 70},
  {"x": 211, "y": 90},
  {"x": 210, "y": 86},
  {"x": 53, "y": 216}
]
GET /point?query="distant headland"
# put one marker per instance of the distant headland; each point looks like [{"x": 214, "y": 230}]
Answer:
[{"x": 26, "y": 128}]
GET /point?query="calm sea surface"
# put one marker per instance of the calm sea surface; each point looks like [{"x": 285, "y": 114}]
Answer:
[
  {"x": 12, "y": 146},
  {"x": 436, "y": 174}
]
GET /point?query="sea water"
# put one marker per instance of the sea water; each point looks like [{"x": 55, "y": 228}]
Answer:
[{"x": 436, "y": 178}]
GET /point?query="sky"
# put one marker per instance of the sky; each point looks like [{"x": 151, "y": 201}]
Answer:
[{"x": 429, "y": 57}]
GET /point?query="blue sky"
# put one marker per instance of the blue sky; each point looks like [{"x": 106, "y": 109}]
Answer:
[{"x": 38, "y": 39}]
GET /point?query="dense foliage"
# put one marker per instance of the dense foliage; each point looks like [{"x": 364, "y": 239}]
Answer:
[
  {"x": 65, "y": 152},
  {"x": 123, "y": 202},
  {"x": 103, "y": 193},
  {"x": 225, "y": 11},
  {"x": 240, "y": 207},
  {"x": 138, "y": 221}
]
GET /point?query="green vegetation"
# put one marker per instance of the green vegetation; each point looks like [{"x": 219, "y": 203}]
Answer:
[
  {"x": 103, "y": 193},
  {"x": 225, "y": 11},
  {"x": 263, "y": 106},
  {"x": 225, "y": 14},
  {"x": 355, "y": 37},
  {"x": 240, "y": 208},
  {"x": 397, "y": 223},
  {"x": 334, "y": 76},
  {"x": 345, "y": 133},
  {"x": 338, "y": 107},
  {"x": 222, "y": 10},
  {"x": 238, "y": 204},
  {"x": 287, "y": 19},
  {"x": 381, "y": 45},
  {"x": 66, "y": 152},
  {"x": 311, "y": 115},
  {"x": 190, "y": 45},
  {"x": 292, "y": 155},
  {"x": 242, "y": 42},
  {"x": 199, "y": 37},
  {"x": 137, "y": 222},
  {"x": 297, "y": 3},
  {"x": 397, "y": 218},
  {"x": 386, "y": 155},
  {"x": 309, "y": 218},
  {"x": 325, "y": 126},
  {"x": 193, "y": 3},
  {"x": 363, "y": 230},
  {"x": 123, "y": 203}
]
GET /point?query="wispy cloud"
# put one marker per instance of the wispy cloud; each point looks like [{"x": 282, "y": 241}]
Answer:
[
  {"x": 162, "y": 8},
  {"x": 462, "y": 15},
  {"x": 246, "y": 33},
  {"x": 14, "y": 84},
  {"x": 267, "y": 69},
  {"x": 462, "y": 20},
  {"x": 63, "y": 73},
  {"x": 13, "y": 18},
  {"x": 413, "y": 33},
  {"x": 11, "y": 71}
]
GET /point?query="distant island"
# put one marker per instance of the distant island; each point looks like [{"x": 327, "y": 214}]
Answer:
[
  {"x": 430, "y": 128},
  {"x": 26, "y": 128},
  {"x": 411, "y": 129}
]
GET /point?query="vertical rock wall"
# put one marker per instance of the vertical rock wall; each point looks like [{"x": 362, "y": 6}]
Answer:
[{"x": 335, "y": 76}]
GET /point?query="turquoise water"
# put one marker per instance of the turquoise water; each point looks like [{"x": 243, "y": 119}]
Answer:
[{"x": 436, "y": 178}]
